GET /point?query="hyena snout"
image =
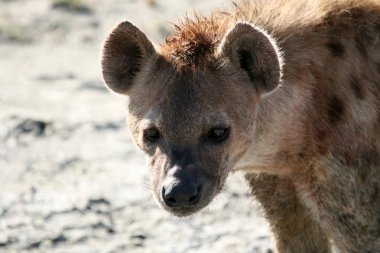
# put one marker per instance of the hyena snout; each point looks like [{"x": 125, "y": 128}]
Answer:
[
  {"x": 183, "y": 190},
  {"x": 181, "y": 193}
]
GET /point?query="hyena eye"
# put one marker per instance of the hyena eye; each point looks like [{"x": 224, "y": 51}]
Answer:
[
  {"x": 151, "y": 134},
  {"x": 218, "y": 134}
]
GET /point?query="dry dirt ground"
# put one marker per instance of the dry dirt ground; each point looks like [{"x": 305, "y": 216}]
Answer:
[{"x": 71, "y": 179}]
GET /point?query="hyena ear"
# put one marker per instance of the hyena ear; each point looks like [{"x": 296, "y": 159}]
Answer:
[
  {"x": 125, "y": 51},
  {"x": 254, "y": 52}
]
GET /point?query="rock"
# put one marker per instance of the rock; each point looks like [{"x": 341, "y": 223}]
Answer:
[
  {"x": 75, "y": 6},
  {"x": 94, "y": 85},
  {"x": 36, "y": 128}
]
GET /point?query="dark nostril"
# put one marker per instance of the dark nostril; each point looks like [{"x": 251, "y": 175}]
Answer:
[
  {"x": 168, "y": 199},
  {"x": 172, "y": 201},
  {"x": 195, "y": 198},
  {"x": 181, "y": 195}
]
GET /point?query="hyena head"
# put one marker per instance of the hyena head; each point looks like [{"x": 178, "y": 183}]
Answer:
[{"x": 191, "y": 103}]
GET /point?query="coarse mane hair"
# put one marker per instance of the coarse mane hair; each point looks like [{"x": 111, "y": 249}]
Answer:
[{"x": 194, "y": 41}]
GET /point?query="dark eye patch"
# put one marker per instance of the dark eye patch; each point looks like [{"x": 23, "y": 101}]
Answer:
[
  {"x": 151, "y": 134},
  {"x": 218, "y": 134}
]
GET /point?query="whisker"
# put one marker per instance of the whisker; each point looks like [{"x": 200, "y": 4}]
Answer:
[{"x": 146, "y": 184}]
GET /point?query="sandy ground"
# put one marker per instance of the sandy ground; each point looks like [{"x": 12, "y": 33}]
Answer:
[{"x": 71, "y": 179}]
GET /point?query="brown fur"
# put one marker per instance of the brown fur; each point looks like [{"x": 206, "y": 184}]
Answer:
[
  {"x": 298, "y": 86},
  {"x": 194, "y": 41}
]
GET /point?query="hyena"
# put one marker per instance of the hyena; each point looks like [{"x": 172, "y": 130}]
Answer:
[{"x": 285, "y": 91}]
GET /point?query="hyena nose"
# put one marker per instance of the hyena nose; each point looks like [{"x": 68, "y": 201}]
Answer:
[{"x": 181, "y": 194}]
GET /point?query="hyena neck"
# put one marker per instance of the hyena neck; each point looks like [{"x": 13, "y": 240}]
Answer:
[{"x": 280, "y": 140}]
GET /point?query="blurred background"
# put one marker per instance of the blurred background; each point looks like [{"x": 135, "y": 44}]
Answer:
[{"x": 71, "y": 180}]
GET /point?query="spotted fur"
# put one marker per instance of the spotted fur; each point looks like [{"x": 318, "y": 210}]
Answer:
[{"x": 296, "y": 82}]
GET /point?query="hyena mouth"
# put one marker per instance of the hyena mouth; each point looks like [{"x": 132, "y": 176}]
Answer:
[{"x": 184, "y": 211}]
